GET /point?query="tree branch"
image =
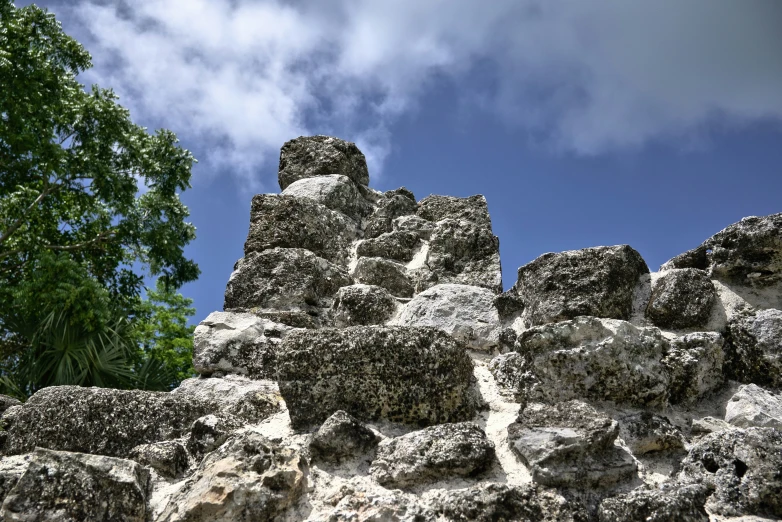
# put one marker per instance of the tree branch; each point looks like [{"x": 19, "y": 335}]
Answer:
[
  {"x": 18, "y": 223},
  {"x": 76, "y": 246}
]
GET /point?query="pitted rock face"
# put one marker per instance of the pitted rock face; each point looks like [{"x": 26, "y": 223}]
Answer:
[
  {"x": 335, "y": 192},
  {"x": 473, "y": 209},
  {"x": 752, "y": 406},
  {"x": 646, "y": 432},
  {"x": 342, "y": 437},
  {"x": 754, "y": 348},
  {"x": 679, "y": 502},
  {"x": 695, "y": 364},
  {"x": 378, "y": 271},
  {"x": 247, "y": 399},
  {"x": 392, "y": 205},
  {"x": 311, "y": 156},
  {"x": 363, "y": 305},
  {"x": 396, "y": 245},
  {"x": 681, "y": 298},
  {"x": 169, "y": 458}
]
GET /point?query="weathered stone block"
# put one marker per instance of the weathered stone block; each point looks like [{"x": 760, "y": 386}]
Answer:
[{"x": 311, "y": 156}]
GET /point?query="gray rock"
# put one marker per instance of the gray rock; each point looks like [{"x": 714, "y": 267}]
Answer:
[
  {"x": 285, "y": 279},
  {"x": 397, "y": 245},
  {"x": 595, "y": 359},
  {"x": 379, "y": 506},
  {"x": 11, "y": 469},
  {"x": 247, "y": 478},
  {"x": 419, "y": 226},
  {"x": 496, "y": 502},
  {"x": 280, "y": 221},
  {"x": 101, "y": 421},
  {"x": 311, "y": 156},
  {"x": 742, "y": 466},
  {"x": 473, "y": 209},
  {"x": 510, "y": 372},
  {"x": 431, "y": 454},
  {"x": 210, "y": 432},
  {"x": 597, "y": 281},
  {"x": 646, "y": 432},
  {"x": 754, "y": 348},
  {"x": 393, "y": 204},
  {"x": 342, "y": 437},
  {"x": 681, "y": 298},
  {"x": 363, "y": 305},
  {"x": 670, "y": 502},
  {"x": 6, "y": 402},
  {"x": 249, "y": 400},
  {"x": 695, "y": 365},
  {"x": 333, "y": 191},
  {"x": 464, "y": 253},
  {"x": 747, "y": 253},
  {"x": 239, "y": 343},
  {"x": 465, "y": 312},
  {"x": 73, "y": 487},
  {"x": 169, "y": 458},
  {"x": 403, "y": 374},
  {"x": 384, "y": 273},
  {"x": 751, "y": 405},
  {"x": 570, "y": 444},
  {"x": 706, "y": 425}
]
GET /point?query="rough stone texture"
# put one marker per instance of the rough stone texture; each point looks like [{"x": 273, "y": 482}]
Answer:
[
  {"x": 681, "y": 298},
  {"x": 169, "y": 458},
  {"x": 747, "y": 253},
  {"x": 342, "y": 437},
  {"x": 247, "y": 478},
  {"x": 742, "y": 466},
  {"x": 695, "y": 365},
  {"x": 363, "y": 305},
  {"x": 570, "y": 444},
  {"x": 646, "y": 432},
  {"x": 284, "y": 279},
  {"x": 379, "y": 506},
  {"x": 751, "y": 405},
  {"x": 414, "y": 224},
  {"x": 385, "y": 273},
  {"x": 510, "y": 374},
  {"x": 595, "y": 359},
  {"x": 392, "y": 204},
  {"x": 333, "y": 191},
  {"x": 465, "y": 312},
  {"x": 11, "y": 469},
  {"x": 239, "y": 343},
  {"x": 397, "y": 245},
  {"x": 311, "y": 156},
  {"x": 706, "y": 425},
  {"x": 754, "y": 349},
  {"x": 403, "y": 374},
  {"x": 474, "y": 209},
  {"x": 597, "y": 281},
  {"x": 74, "y": 487},
  {"x": 6, "y": 402},
  {"x": 496, "y": 502},
  {"x": 292, "y": 222},
  {"x": 210, "y": 432},
  {"x": 246, "y": 399},
  {"x": 71, "y": 418},
  {"x": 671, "y": 502},
  {"x": 464, "y": 253},
  {"x": 431, "y": 454}
]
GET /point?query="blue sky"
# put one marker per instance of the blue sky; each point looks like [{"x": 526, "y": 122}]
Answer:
[{"x": 654, "y": 124}]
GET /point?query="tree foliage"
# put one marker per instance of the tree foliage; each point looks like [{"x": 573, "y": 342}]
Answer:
[{"x": 76, "y": 238}]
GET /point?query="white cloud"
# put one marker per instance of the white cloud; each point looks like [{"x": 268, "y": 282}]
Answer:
[{"x": 243, "y": 76}]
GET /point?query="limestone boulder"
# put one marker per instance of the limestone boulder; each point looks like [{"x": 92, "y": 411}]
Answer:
[
  {"x": 363, "y": 305},
  {"x": 431, "y": 454},
  {"x": 413, "y": 224},
  {"x": 597, "y": 281},
  {"x": 695, "y": 364},
  {"x": 402, "y": 374},
  {"x": 169, "y": 458},
  {"x": 210, "y": 432},
  {"x": 669, "y": 502},
  {"x": 465, "y": 312},
  {"x": 283, "y": 221},
  {"x": 12, "y": 467},
  {"x": 312, "y": 156},
  {"x": 384, "y": 273},
  {"x": 681, "y": 298},
  {"x": 73, "y": 487},
  {"x": 390, "y": 206},
  {"x": 342, "y": 437},
  {"x": 754, "y": 348},
  {"x": 333, "y": 191},
  {"x": 742, "y": 467},
  {"x": 372, "y": 505},
  {"x": 247, "y": 399},
  {"x": 510, "y": 371},
  {"x": 397, "y": 245},
  {"x": 474, "y": 209},
  {"x": 751, "y": 406},
  {"x": 646, "y": 432},
  {"x": 247, "y": 478},
  {"x": 291, "y": 279},
  {"x": 6, "y": 402}
]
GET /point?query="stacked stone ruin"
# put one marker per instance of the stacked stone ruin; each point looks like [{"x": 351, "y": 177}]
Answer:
[{"x": 368, "y": 367}]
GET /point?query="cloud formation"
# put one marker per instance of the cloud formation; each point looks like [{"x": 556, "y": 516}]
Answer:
[{"x": 243, "y": 76}]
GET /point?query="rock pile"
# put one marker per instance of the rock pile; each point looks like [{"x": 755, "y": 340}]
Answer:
[{"x": 367, "y": 366}]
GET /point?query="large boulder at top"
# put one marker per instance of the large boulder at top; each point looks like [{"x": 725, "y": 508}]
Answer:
[
  {"x": 239, "y": 343},
  {"x": 595, "y": 359},
  {"x": 465, "y": 312},
  {"x": 742, "y": 467},
  {"x": 101, "y": 421},
  {"x": 670, "y": 502},
  {"x": 391, "y": 205},
  {"x": 363, "y": 305},
  {"x": 72, "y": 487},
  {"x": 249, "y": 400},
  {"x": 298, "y": 222},
  {"x": 597, "y": 281},
  {"x": 754, "y": 348},
  {"x": 284, "y": 279},
  {"x": 435, "y": 453},
  {"x": 473, "y": 209},
  {"x": 247, "y": 478},
  {"x": 403, "y": 374},
  {"x": 378, "y": 271},
  {"x": 751, "y": 406},
  {"x": 681, "y": 298},
  {"x": 747, "y": 253},
  {"x": 311, "y": 156},
  {"x": 333, "y": 191},
  {"x": 695, "y": 364}
]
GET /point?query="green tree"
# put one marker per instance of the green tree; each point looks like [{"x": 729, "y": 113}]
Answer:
[{"x": 76, "y": 238}]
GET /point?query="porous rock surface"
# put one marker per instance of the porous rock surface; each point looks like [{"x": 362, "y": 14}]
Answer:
[{"x": 368, "y": 367}]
